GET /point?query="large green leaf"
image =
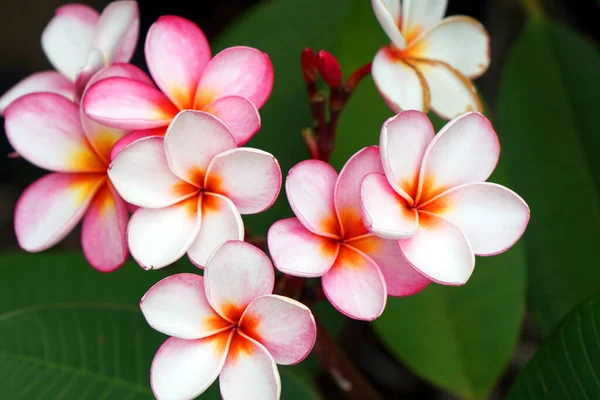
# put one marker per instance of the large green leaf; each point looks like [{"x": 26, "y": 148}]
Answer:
[
  {"x": 549, "y": 118},
  {"x": 567, "y": 366}
]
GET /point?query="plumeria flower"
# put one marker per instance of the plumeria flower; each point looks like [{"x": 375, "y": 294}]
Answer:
[
  {"x": 192, "y": 187},
  {"x": 79, "y": 42},
  {"x": 227, "y": 324},
  {"x": 232, "y": 85},
  {"x": 328, "y": 239},
  {"x": 433, "y": 196},
  {"x": 53, "y": 133},
  {"x": 431, "y": 61}
]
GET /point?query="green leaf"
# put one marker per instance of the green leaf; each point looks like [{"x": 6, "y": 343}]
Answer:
[
  {"x": 566, "y": 365},
  {"x": 548, "y": 114}
]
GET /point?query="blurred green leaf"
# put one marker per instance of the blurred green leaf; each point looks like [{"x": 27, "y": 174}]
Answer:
[
  {"x": 566, "y": 366},
  {"x": 548, "y": 113}
]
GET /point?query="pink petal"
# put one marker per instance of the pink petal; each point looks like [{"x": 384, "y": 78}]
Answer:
[
  {"x": 44, "y": 81},
  {"x": 310, "y": 190},
  {"x": 158, "y": 237},
  {"x": 402, "y": 86},
  {"x": 284, "y": 326},
  {"x": 250, "y": 178},
  {"x": 93, "y": 64},
  {"x": 347, "y": 202},
  {"x": 177, "y": 52},
  {"x": 388, "y": 14},
  {"x": 385, "y": 212},
  {"x": 439, "y": 251},
  {"x": 192, "y": 140},
  {"x": 404, "y": 139},
  {"x": 419, "y": 15},
  {"x": 142, "y": 176},
  {"x": 220, "y": 222},
  {"x": 134, "y": 136},
  {"x": 249, "y": 372},
  {"x": 299, "y": 252},
  {"x": 236, "y": 274},
  {"x": 184, "y": 369},
  {"x": 127, "y": 104},
  {"x": 122, "y": 70},
  {"x": 236, "y": 71},
  {"x": 45, "y": 129},
  {"x": 355, "y": 286},
  {"x": 68, "y": 37},
  {"x": 101, "y": 138},
  {"x": 104, "y": 231},
  {"x": 117, "y": 31},
  {"x": 239, "y": 114},
  {"x": 177, "y": 306},
  {"x": 492, "y": 217},
  {"x": 465, "y": 151},
  {"x": 51, "y": 207},
  {"x": 401, "y": 278}
]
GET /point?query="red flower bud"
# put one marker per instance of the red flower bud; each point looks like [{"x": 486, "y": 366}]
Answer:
[
  {"x": 329, "y": 68},
  {"x": 308, "y": 62}
]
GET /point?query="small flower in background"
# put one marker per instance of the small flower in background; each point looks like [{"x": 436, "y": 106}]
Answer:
[
  {"x": 232, "y": 85},
  {"x": 328, "y": 239},
  {"x": 226, "y": 325},
  {"x": 431, "y": 61},
  {"x": 191, "y": 187},
  {"x": 79, "y": 42},
  {"x": 433, "y": 196}
]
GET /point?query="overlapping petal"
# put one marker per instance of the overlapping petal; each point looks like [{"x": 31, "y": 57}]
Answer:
[
  {"x": 388, "y": 13},
  {"x": 43, "y": 81},
  {"x": 134, "y": 136},
  {"x": 122, "y": 70},
  {"x": 239, "y": 114},
  {"x": 117, "y": 31},
  {"x": 93, "y": 64},
  {"x": 419, "y": 15},
  {"x": 100, "y": 137}
]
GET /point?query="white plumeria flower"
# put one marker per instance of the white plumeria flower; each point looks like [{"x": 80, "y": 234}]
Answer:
[
  {"x": 191, "y": 186},
  {"x": 226, "y": 325},
  {"x": 431, "y": 61}
]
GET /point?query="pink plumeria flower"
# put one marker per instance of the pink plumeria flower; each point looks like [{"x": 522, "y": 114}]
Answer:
[
  {"x": 431, "y": 61},
  {"x": 79, "y": 42},
  {"x": 192, "y": 187},
  {"x": 433, "y": 196},
  {"x": 329, "y": 240},
  {"x": 53, "y": 133},
  {"x": 226, "y": 325},
  {"x": 232, "y": 85}
]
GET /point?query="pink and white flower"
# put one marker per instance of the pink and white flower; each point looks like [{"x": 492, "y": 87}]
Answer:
[
  {"x": 233, "y": 85},
  {"x": 191, "y": 187},
  {"x": 329, "y": 240},
  {"x": 226, "y": 325},
  {"x": 79, "y": 42},
  {"x": 431, "y": 61},
  {"x": 434, "y": 199}
]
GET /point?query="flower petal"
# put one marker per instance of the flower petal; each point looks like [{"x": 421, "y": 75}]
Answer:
[
  {"x": 400, "y": 277},
  {"x": 465, "y": 151},
  {"x": 68, "y": 37},
  {"x": 93, "y": 64},
  {"x": 43, "y": 81},
  {"x": 117, "y": 31},
  {"x": 284, "y": 326},
  {"x": 459, "y": 41},
  {"x": 385, "y": 212},
  {"x": 184, "y": 369},
  {"x": 102, "y": 138},
  {"x": 239, "y": 114},
  {"x": 104, "y": 231},
  {"x": 250, "y": 373},
  {"x": 299, "y": 252},
  {"x": 451, "y": 92},
  {"x": 177, "y": 306},
  {"x": 122, "y": 70},
  {"x": 236, "y": 71},
  {"x": 220, "y": 222},
  {"x": 355, "y": 286},
  {"x": 347, "y": 188},
  {"x": 250, "y": 178},
  {"x": 404, "y": 139},
  {"x": 45, "y": 129},
  {"x": 492, "y": 217},
  {"x": 402, "y": 86},
  {"x": 236, "y": 274},
  {"x": 388, "y": 14},
  {"x": 310, "y": 187},
  {"x": 127, "y": 104},
  {"x": 192, "y": 140},
  {"x": 134, "y": 136},
  {"x": 177, "y": 52},
  {"x": 419, "y": 15},
  {"x": 440, "y": 251},
  {"x": 51, "y": 207},
  {"x": 158, "y": 237}
]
